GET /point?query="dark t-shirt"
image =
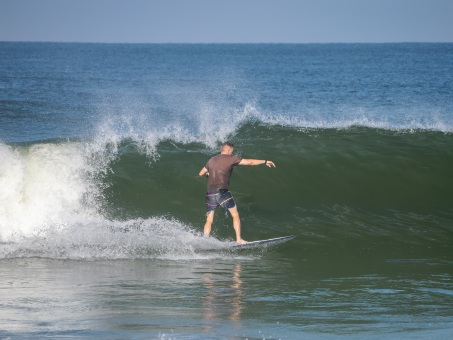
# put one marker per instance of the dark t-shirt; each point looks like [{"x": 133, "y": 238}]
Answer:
[{"x": 220, "y": 168}]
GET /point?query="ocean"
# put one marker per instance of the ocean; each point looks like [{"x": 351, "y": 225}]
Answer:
[{"x": 102, "y": 209}]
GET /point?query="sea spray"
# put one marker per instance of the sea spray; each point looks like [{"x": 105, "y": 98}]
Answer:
[
  {"x": 99, "y": 239},
  {"x": 45, "y": 184}
]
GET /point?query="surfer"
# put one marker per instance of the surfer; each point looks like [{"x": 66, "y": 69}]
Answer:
[{"x": 218, "y": 170}]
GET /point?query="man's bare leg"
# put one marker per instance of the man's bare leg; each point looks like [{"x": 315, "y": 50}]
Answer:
[
  {"x": 208, "y": 224},
  {"x": 236, "y": 224}
]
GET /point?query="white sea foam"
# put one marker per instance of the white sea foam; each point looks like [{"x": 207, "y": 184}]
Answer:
[
  {"x": 346, "y": 117},
  {"x": 49, "y": 208},
  {"x": 41, "y": 185},
  {"x": 90, "y": 239}
]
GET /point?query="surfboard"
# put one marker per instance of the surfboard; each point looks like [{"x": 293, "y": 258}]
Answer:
[{"x": 263, "y": 243}]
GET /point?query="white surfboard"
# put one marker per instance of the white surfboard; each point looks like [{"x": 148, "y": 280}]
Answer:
[{"x": 263, "y": 243}]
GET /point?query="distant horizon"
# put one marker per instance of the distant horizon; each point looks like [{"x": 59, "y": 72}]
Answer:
[
  {"x": 227, "y": 43},
  {"x": 227, "y": 22}
]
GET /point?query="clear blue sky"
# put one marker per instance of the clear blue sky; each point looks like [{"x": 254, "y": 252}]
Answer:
[{"x": 227, "y": 21}]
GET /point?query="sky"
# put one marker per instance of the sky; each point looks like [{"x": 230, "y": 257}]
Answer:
[{"x": 227, "y": 21}]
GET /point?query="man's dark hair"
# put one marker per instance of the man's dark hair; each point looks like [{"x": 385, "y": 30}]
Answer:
[{"x": 231, "y": 145}]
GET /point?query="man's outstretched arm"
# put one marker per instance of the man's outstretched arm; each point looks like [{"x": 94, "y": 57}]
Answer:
[{"x": 245, "y": 161}]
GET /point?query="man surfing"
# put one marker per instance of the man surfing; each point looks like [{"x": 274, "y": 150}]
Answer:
[{"x": 218, "y": 170}]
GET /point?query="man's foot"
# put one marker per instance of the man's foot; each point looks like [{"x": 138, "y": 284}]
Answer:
[{"x": 241, "y": 241}]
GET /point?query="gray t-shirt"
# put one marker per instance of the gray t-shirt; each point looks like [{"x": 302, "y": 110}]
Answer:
[{"x": 220, "y": 168}]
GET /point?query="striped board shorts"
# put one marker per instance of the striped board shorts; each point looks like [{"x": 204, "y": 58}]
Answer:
[{"x": 222, "y": 197}]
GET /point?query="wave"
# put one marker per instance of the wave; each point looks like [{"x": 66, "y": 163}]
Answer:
[
  {"x": 126, "y": 194},
  {"x": 212, "y": 122}
]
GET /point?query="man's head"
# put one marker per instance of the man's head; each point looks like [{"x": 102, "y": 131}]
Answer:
[{"x": 227, "y": 148}]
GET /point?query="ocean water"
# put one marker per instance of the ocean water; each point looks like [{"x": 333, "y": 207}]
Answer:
[{"x": 101, "y": 208}]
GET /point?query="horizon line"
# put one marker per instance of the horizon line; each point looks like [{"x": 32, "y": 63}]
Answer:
[{"x": 224, "y": 43}]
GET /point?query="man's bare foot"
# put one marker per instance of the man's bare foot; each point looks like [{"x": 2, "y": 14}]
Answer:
[{"x": 241, "y": 241}]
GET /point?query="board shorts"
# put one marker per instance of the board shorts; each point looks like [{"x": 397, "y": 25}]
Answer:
[{"x": 222, "y": 197}]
